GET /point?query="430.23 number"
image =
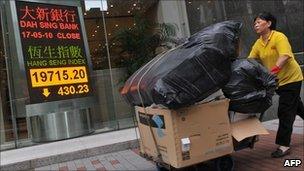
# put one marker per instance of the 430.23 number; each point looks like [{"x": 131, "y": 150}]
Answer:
[{"x": 70, "y": 90}]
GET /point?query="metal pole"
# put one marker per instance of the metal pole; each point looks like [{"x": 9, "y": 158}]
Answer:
[{"x": 110, "y": 68}]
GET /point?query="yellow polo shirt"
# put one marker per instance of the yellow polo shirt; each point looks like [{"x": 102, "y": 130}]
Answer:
[{"x": 276, "y": 46}]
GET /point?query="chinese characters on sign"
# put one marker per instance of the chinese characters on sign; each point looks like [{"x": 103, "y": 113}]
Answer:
[
  {"x": 53, "y": 50},
  {"x": 47, "y": 14},
  {"x": 48, "y": 52}
]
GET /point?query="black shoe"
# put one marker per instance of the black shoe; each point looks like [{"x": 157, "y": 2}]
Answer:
[{"x": 279, "y": 153}]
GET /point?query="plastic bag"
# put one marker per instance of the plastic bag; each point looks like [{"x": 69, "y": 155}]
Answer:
[
  {"x": 250, "y": 88},
  {"x": 188, "y": 73}
]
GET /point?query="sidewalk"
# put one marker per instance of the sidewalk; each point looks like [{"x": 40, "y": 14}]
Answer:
[
  {"x": 259, "y": 157},
  {"x": 122, "y": 160},
  {"x": 245, "y": 160}
]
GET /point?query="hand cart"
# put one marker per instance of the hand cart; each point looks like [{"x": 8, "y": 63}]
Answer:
[{"x": 223, "y": 163}]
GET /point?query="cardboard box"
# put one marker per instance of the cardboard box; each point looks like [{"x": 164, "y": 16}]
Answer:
[
  {"x": 186, "y": 136},
  {"x": 194, "y": 134},
  {"x": 245, "y": 125},
  {"x": 247, "y": 128}
]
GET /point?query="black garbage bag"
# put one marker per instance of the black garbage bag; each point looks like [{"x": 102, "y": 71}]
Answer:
[
  {"x": 250, "y": 88},
  {"x": 188, "y": 73}
]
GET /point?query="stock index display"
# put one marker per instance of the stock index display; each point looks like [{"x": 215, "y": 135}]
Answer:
[{"x": 53, "y": 50}]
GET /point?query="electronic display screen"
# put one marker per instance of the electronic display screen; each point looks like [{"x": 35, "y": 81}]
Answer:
[{"x": 53, "y": 50}]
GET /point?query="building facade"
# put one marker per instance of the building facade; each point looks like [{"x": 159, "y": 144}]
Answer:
[{"x": 110, "y": 55}]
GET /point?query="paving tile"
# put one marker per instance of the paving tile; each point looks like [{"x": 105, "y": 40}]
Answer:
[
  {"x": 71, "y": 165},
  {"x": 124, "y": 162},
  {"x": 79, "y": 163},
  {"x": 43, "y": 168},
  {"x": 82, "y": 168},
  {"x": 87, "y": 163},
  {"x": 115, "y": 163},
  {"x": 139, "y": 162},
  {"x": 63, "y": 166},
  {"x": 54, "y": 167},
  {"x": 97, "y": 164},
  {"x": 106, "y": 164}
]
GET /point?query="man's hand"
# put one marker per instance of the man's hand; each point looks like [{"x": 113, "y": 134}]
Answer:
[{"x": 275, "y": 70}]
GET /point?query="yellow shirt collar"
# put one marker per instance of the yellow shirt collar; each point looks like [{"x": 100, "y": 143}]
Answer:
[{"x": 261, "y": 39}]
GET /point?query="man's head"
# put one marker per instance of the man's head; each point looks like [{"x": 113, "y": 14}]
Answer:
[{"x": 263, "y": 22}]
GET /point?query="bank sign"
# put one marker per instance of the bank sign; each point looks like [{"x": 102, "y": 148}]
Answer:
[{"x": 53, "y": 50}]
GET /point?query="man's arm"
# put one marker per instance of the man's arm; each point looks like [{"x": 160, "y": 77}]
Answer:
[
  {"x": 285, "y": 52},
  {"x": 282, "y": 60},
  {"x": 279, "y": 64}
]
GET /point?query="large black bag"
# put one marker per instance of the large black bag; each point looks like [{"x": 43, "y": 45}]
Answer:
[
  {"x": 188, "y": 73},
  {"x": 250, "y": 88}
]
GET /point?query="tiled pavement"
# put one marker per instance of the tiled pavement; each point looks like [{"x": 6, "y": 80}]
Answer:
[
  {"x": 257, "y": 159},
  {"x": 122, "y": 160}
]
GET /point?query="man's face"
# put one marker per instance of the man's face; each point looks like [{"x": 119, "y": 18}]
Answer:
[{"x": 260, "y": 25}]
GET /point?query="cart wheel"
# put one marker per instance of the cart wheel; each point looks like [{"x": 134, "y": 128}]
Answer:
[
  {"x": 224, "y": 163},
  {"x": 159, "y": 167}
]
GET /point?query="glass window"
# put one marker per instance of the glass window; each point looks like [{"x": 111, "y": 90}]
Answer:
[
  {"x": 116, "y": 37},
  {"x": 13, "y": 129},
  {"x": 6, "y": 128},
  {"x": 109, "y": 58}
]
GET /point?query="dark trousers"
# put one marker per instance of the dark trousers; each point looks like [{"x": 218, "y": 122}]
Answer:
[{"x": 290, "y": 105}]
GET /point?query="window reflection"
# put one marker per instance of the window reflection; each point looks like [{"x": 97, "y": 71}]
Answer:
[
  {"x": 110, "y": 69},
  {"x": 120, "y": 14},
  {"x": 288, "y": 13},
  {"x": 6, "y": 126}
]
